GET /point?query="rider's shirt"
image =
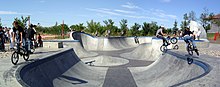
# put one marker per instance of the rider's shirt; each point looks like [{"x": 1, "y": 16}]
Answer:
[
  {"x": 1, "y": 33},
  {"x": 30, "y": 33},
  {"x": 17, "y": 31},
  {"x": 187, "y": 33},
  {"x": 159, "y": 32}
]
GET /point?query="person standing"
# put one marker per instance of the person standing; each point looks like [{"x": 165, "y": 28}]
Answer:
[
  {"x": 40, "y": 42},
  {"x": 30, "y": 37},
  {"x": 198, "y": 34},
  {"x": 2, "y": 44},
  {"x": 11, "y": 33}
]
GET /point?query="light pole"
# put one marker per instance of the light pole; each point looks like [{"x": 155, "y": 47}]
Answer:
[{"x": 63, "y": 30}]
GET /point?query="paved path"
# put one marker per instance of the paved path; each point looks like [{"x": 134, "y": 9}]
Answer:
[{"x": 120, "y": 76}]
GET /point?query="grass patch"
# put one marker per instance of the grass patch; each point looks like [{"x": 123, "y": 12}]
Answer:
[
  {"x": 60, "y": 37},
  {"x": 210, "y": 35}
]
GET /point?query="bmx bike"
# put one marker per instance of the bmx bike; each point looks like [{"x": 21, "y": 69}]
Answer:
[
  {"x": 19, "y": 51},
  {"x": 190, "y": 48},
  {"x": 172, "y": 40}
]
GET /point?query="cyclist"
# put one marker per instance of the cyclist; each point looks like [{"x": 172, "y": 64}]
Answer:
[
  {"x": 18, "y": 34},
  {"x": 136, "y": 40},
  {"x": 188, "y": 36},
  {"x": 160, "y": 34}
]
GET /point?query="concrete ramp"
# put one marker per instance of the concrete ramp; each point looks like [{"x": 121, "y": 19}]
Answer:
[
  {"x": 107, "y": 43},
  {"x": 119, "y": 62},
  {"x": 63, "y": 69},
  {"x": 169, "y": 70},
  {"x": 142, "y": 52}
]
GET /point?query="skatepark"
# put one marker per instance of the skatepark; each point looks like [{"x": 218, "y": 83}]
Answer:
[{"x": 88, "y": 61}]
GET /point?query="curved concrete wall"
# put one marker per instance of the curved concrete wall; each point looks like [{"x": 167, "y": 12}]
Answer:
[
  {"x": 118, "y": 43},
  {"x": 107, "y": 44},
  {"x": 170, "y": 70},
  {"x": 62, "y": 69},
  {"x": 41, "y": 73}
]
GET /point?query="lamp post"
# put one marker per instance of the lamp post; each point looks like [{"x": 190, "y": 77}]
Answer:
[{"x": 63, "y": 30}]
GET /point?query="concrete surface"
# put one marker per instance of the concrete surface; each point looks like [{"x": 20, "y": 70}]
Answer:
[
  {"x": 120, "y": 62},
  {"x": 8, "y": 70}
]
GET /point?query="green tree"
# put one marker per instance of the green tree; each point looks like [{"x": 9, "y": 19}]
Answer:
[
  {"x": 93, "y": 27},
  {"x": 135, "y": 29},
  {"x": 205, "y": 19},
  {"x": 153, "y": 28},
  {"x": 0, "y": 22},
  {"x": 168, "y": 30},
  {"x": 185, "y": 21},
  {"x": 100, "y": 30},
  {"x": 124, "y": 28},
  {"x": 192, "y": 16},
  {"x": 175, "y": 29},
  {"x": 78, "y": 27},
  {"x": 109, "y": 25},
  {"x": 145, "y": 28},
  {"x": 23, "y": 21}
]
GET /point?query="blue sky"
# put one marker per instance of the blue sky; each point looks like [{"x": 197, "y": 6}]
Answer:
[{"x": 48, "y": 12}]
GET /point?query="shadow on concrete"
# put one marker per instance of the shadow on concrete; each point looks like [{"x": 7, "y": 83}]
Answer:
[
  {"x": 72, "y": 80},
  {"x": 45, "y": 52},
  {"x": 206, "y": 67}
]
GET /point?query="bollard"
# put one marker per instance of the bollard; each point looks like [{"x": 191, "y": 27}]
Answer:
[{"x": 215, "y": 36}]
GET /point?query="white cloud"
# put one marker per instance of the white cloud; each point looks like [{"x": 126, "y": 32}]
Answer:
[
  {"x": 42, "y": 1},
  {"x": 8, "y": 12},
  {"x": 106, "y": 9},
  {"x": 136, "y": 16},
  {"x": 133, "y": 11},
  {"x": 162, "y": 14},
  {"x": 130, "y": 5},
  {"x": 124, "y": 11},
  {"x": 166, "y": 1},
  {"x": 103, "y": 11},
  {"x": 12, "y": 13}
]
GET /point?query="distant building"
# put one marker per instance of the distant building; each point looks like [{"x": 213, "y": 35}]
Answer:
[{"x": 214, "y": 27}]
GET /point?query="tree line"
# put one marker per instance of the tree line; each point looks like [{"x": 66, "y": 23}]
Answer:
[{"x": 109, "y": 27}]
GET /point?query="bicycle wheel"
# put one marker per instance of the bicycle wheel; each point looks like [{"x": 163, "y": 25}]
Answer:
[
  {"x": 189, "y": 61},
  {"x": 190, "y": 49},
  {"x": 26, "y": 55},
  {"x": 173, "y": 40},
  {"x": 14, "y": 58},
  {"x": 163, "y": 48},
  {"x": 176, "y": 47}
]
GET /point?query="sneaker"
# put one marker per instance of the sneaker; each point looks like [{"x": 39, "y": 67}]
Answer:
[
  {"x": 197, "y": 52},
  {"x": 30, "y": 52}
]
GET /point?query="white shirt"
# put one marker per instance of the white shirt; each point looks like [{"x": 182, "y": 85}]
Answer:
[
  {"x": 159, "y": 32},
  {"x": 198, "y": 33}
]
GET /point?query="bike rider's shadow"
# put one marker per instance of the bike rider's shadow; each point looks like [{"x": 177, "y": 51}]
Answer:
[
  {"x": 191, "y": 56},
  {"x": 187, "y": 55},
  {"x": 27, "y": 62},
  {"x": 164, "y": 52}
]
